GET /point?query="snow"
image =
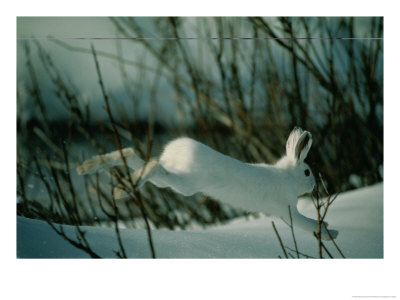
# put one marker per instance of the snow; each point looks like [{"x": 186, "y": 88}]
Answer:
[{"x": 358, "y": 215}]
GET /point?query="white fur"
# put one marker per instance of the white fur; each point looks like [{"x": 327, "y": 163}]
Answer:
[{"x": 190, "y": 167}]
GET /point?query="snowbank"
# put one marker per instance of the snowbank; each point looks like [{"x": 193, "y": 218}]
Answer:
[{"x": 358, "y": 215}]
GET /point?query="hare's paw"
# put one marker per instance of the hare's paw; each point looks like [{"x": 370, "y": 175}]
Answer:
[
  {"x": 115, "y": 156},
  {"x": 105, "y": 161},
  {"x": 331, "y": 236},
  {"x": 334, "y": 233},
  {"x": 90, "y": 166}
]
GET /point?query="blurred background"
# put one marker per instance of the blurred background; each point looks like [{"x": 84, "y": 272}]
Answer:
[{"x": 241, "y": 97}]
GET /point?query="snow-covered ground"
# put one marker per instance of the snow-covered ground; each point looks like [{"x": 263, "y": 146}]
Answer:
[{"x": 358, "y": 215}]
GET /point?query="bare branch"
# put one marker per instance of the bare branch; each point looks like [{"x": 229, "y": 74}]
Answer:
[
  {"x": 279, "y": 238},
  {"x": 118, "y": 144}
]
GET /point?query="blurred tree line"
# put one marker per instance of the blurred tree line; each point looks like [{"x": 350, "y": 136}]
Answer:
[{"x": 242, "y": 97}]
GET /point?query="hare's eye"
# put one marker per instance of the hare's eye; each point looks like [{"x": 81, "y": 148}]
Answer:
[{"x": 307, "y": 172}]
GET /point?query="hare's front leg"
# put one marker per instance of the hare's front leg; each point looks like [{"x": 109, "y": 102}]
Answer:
[{"x": 311, "y": 225}]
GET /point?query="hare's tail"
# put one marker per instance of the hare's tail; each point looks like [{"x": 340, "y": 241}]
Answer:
[{"x": 112, "y": 159}]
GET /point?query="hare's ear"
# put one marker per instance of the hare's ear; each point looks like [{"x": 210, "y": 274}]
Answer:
[
  {"x": 298, "y": 144},
  {"x": 303, "y": 145}
]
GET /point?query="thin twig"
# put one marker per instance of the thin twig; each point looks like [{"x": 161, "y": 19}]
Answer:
[
  {"x": 279, "y": 238},
  {"x": 121, "y": 253},
  {"x": 118, "y": 143},
  {"x": 334, "y": 243},
  {"x": 318, "y": 205},
  {"x": 292, "y": 230},
  {"x": 82, "y": 244},
  {"x": 324, "y": 247},
  {"x": 303, "y": 254}
]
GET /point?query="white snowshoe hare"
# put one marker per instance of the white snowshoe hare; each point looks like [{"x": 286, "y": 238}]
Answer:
[{"x": 190, "y": 167}]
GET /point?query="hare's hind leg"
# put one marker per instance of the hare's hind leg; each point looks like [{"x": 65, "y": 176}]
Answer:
[
  {"x": 311, "y": 225},
  {"x": 154, "y": 172},
  {"x": 138, "y": 178},
  {"x": 180, "y": 183},
  {"x": 112, "y": 159}
]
